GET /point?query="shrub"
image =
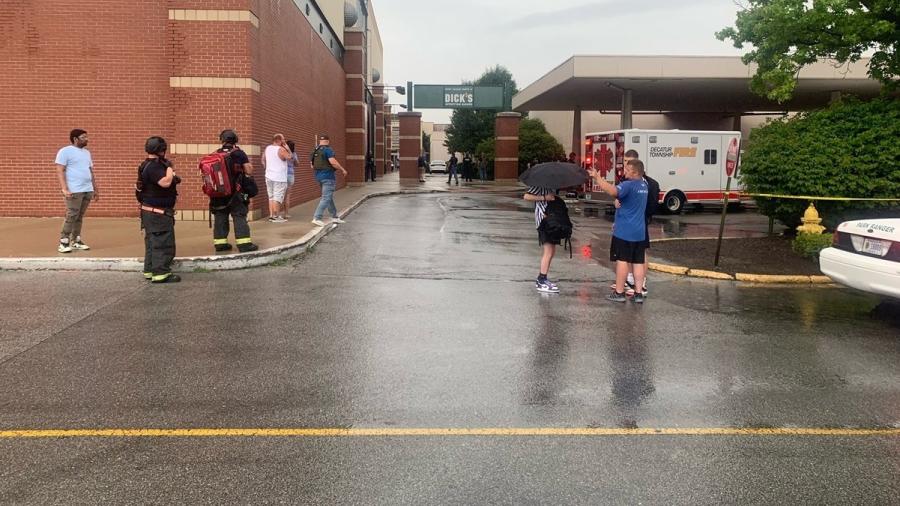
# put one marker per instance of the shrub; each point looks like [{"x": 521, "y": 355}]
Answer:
[
  {"x": 849, "y": 149},
  {"x": 809, "y": 245}
]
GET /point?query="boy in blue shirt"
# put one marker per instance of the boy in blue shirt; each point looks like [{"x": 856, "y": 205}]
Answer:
[{"x": 628, "y": 247}]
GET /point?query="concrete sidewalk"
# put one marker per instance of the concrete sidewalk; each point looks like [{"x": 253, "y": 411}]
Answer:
[{"x": 31, "y": 242}]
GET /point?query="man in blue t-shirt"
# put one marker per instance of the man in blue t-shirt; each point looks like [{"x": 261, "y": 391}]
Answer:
[
  {"x": 628, "y": 247},
  {"x": 325, "y": 165},
  {"x": 75, "y": 170}
]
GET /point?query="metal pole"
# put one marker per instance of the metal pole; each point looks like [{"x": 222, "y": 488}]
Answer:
[
  {"x": 626, "y": 110},
  {"x": 409, "y": 96},
  {"x": 722, "y": 224}
]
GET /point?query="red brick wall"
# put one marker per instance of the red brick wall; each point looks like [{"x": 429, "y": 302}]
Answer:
[
  {"x": 302, "y": 90},
  {"x": 84, "y": 64},
  {"x": 105, "y": 66}
]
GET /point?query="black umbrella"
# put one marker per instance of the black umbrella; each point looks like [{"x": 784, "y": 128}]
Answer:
[{"x": 554, "y": 175}]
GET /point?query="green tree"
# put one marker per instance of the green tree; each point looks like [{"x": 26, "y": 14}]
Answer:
[
  {"x": 786, "y": 35},
  {"x": 467, "y": 127},
  {"x": 536, "y": 143},
  {"x": 849, "y": 149}
]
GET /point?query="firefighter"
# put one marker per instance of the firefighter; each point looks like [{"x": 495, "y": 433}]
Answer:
[
  {"x": 235, "y": 205},
  {"x": 157, "y": 195}
]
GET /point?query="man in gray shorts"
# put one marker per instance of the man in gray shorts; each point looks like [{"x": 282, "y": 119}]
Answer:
[{"x": 275, "y": 159}]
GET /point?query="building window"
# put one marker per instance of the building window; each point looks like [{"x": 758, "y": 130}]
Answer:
[
  {"x": 636, "y": 139},
  {"x": 307, "y": 9},
  {"x": 321, "y": 28},
  {"x": 710, "y": 156},
  {"x": 652, "y": 139},
  {"x": 695, "y": 140}
]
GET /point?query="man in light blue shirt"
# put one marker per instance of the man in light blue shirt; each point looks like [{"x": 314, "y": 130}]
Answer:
[{"x": 75, "y": 170}]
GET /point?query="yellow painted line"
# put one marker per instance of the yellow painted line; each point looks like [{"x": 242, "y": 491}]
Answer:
[{"x": 396, "y": 432}]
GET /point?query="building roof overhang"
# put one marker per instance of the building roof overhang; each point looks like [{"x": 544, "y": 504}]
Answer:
[{"x": 682, "y": 84}]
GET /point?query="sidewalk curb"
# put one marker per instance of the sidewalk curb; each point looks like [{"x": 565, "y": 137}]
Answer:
[
  {"x": 783, "y": 279},
  {"x": 800, "y": 279},
  {"x": 231, "y": 261}
]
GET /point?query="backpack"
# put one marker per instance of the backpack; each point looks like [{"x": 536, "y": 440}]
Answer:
[
  {"x": 318, "y": 160},
  {"x": 217, "y": 178},
  {"x": 556, "y": 224}
]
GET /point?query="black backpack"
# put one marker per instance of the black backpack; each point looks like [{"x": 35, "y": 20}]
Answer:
[{"x": 556, "y": 224}]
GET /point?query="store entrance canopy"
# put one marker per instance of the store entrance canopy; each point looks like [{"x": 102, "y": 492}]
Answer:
[{"x": 681, "y": 84}]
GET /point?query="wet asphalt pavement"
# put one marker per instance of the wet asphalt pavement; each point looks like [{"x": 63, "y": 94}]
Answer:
[{"x": 420, "y": 312}]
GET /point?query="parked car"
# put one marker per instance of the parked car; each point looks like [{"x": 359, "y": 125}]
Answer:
[
  {"x": 438, "y": 166},
  {"x": 865, "y": 254}
]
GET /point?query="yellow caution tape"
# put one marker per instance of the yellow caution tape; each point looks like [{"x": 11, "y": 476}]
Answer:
[{"x": 809, "y": 197}]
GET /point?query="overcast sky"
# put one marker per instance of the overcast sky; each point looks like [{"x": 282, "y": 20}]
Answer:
[{"x": 431, "y": 42}]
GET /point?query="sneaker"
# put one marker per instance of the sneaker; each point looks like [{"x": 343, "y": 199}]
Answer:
[
  {"x": 318, "y": 223},
  {"x": 148, "y": 276},
  {"x": 223, "y": 247},
  {"x": 171, "y": 278},
  {"x": 244, "y": 248},
  {"x": 64, "y": 247},
  {"x": 546, "y": 286},
  {"x": 278, "y": 219},
  {"x": 80, "y": 245},
  {"x": 638, "y": 299},
  {"x": 616, "y": 297},
  {"x": 337, "y": 220}
]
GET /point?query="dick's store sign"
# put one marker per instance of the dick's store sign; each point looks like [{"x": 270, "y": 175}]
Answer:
[
  {"x": 441, "y": 96},
  {"x": 459, "y": 96}
]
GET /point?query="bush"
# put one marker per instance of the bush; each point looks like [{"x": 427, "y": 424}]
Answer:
[
  {"x": 809, "y": 245},
  {"x": 849, "y": 149}
]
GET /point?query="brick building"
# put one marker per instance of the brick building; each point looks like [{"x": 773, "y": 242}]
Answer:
[{"x": 183, "y": 69}]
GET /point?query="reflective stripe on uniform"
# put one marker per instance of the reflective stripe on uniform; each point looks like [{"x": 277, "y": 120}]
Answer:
[
  {"x": 148, "y": 275},
  {"x": 243, "y": 240},
  {"x": 161, "y": 277},
  {"x": 220, "y": 241}
]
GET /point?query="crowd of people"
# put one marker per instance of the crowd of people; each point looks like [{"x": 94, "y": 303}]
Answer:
[{"x": 156, "y": 190}]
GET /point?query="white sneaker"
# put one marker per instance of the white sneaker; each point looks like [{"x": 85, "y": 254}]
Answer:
[
  {"x": 278, "y": 219},
  {"x": 80, "y": 245},
  {"x": 64, "y": 248},
  {"x": 337, "y": 220},
  {"x": 318, "y": 223}
]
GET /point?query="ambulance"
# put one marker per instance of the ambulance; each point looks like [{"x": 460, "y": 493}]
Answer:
[{"x": 692, "y": 167}]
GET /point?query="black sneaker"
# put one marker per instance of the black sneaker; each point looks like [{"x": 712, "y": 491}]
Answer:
[
  {"x": 223, "y": 247},
  {"x": 244, "y": 248},
  {"x": 171, "y": 278},
  {"x": 638, "y": 298},
  {"x": 616, "y": 297}
]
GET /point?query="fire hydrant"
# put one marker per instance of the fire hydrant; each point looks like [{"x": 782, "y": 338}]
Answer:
[{"x": 811, "y": 221}]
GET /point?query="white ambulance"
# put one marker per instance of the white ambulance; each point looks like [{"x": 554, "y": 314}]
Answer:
[{"x": 690, "y": 166}]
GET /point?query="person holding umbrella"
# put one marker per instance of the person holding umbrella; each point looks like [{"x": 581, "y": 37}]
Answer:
[{"x": 543, "y": 181}]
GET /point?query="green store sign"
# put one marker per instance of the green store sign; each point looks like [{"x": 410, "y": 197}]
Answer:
[{"x": 440, "y": 96}]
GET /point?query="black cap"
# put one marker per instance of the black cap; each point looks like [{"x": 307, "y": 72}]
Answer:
[
  {"x": 156, "y": 145},
  {"x": 228, "y": 136}
]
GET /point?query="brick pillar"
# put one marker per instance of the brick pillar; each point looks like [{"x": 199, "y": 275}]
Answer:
[
  {"x": 410, "y": 146},
  {"x": 506, "y": 155},
  {"x": 378, "y": 94},
  {"x": 355, "y": 70}
]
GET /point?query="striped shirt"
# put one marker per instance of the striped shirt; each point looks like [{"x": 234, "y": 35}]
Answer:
[{"x": 540, "y": 208}]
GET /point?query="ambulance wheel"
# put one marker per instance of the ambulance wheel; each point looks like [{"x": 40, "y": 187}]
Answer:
[{"x": 674, "y": 202}]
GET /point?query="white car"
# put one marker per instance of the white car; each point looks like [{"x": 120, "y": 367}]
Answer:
[
  {"x": 865, "y": 254},
  {"x": 438, "y": 166}
]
